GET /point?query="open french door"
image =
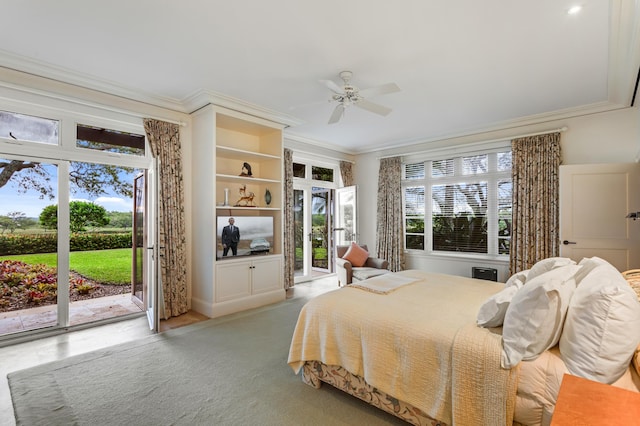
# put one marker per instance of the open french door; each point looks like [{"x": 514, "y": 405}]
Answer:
[
  {"x": 345, "y": 229},
  {"x": 145, "y": 250},
  {"x": 152, "y": 304}
]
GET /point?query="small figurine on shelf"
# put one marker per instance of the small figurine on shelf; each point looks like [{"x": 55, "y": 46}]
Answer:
[
  {"x": 267, "y": 197},
  {"x": 246, "y": 198},
  {"x": 246, "y": 170}
]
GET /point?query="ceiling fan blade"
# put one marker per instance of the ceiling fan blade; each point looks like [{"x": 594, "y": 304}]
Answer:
[
  {"x": 337, "y": 114},
  {"x": 379, "y": 90},
  {"x": 371, "y": 107},
  {"x": 332, "y": 86}
]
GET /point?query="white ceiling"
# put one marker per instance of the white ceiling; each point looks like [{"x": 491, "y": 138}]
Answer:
[{"x": 463, "y": 66}]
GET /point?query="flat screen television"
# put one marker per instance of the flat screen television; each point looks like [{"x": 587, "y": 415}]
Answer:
[{"x": 256, "y": 236}]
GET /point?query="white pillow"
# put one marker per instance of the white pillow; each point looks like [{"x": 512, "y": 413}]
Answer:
[
  {"x": 492, "y": 312},
  {"x": 518, "y": 279},
  {"x": 545, "y": 265},
  {"x": 602, "y": 329},
  {"x": 589, "y": 264},
  {"x": 534, "y": 318}
]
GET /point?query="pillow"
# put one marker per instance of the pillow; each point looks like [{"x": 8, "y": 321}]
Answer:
[
  {"x": 534, "y": 318},
  {"x": 492, "y": 312},
  {"x": 588, "y": 265},
  {"x": 545, "y": 265},
  {"x": 602, "y": 329},
  {"x": 636, "y": 360},
  {"x": 356, "y": 255},
  {"x": 518, "y": 279}
]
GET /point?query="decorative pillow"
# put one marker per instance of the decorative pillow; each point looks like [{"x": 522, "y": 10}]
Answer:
[
  {"x": 534, "y": 318},
  {"x": 545, "y": 265},
  {"x": 356, "y": 255},
  {"x": 636, "y": 360},
  {"x": 492, "y": 312},
  {"x": 602, "y": 329}
]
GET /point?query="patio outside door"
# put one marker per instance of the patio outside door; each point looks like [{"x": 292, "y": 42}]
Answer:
[
  {"x": 313, "y": 216},
  {"x": 321, "y": 226}
]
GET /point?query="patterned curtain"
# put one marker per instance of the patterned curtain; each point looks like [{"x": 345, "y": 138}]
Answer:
[
  {"x": 535, "y": 168},
  {"x": 390, "y": 241},
  {"x": 164, "y": 139},
  {"x": 346, "y": 171},
  {"x": 289, "y": 240}
]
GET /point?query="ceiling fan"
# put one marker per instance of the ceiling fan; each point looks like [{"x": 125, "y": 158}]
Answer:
[{"x": 348, "y": 95}]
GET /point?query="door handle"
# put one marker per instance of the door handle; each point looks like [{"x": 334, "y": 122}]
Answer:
[{"x": 565, "y": 242}]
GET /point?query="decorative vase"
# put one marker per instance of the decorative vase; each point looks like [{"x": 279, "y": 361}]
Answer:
[
  {"x": 267, "y": 197},
  {"x": 226, "y": 196}
]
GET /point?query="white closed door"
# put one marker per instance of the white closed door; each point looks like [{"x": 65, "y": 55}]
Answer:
[{"x": 595, "y": 200}]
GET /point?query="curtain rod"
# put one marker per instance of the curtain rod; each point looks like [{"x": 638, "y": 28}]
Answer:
[
  {"x": 87, "y": 103},
  {"x": 560, "y": 129}
]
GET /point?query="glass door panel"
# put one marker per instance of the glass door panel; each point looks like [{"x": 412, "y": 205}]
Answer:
[
  {"x": 100, "y": 240},
  {"x": 299, "y": 231},
  {"x": 345, "y": 230},
  {"x": 321, "y": 223},
  {"x": 28, "y": 245},
  {"x": 138, "y": 250}
]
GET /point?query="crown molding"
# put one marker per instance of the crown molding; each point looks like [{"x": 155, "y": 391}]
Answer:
[
  {"x": 504, "y": 127},
  {"x": 201, "y": 98},
  {"x": 68, "y": 76},
  {"x": 624, "y": 51},
  {"x": 320, "y": 144},
  {"x": 187, "y": 105}
]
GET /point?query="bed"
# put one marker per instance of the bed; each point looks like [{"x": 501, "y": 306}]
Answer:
[{"x": 408, "y": 343}]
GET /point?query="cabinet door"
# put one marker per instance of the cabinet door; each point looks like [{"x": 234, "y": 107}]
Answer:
[
  {"x": 233, "y": 280},
  {"x": 267, "y": 274}
]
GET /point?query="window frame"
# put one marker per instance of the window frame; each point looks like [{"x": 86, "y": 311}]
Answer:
[
  {"x": 492, "y": 177},
  {"x": 66, "y": 149}
]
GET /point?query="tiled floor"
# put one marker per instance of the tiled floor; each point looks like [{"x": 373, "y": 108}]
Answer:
[
  {"x": 36, "y": 352},
  {"x": 80, "y": 312}
]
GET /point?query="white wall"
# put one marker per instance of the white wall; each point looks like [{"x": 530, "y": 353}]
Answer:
[{"x": 611, "y": 137}]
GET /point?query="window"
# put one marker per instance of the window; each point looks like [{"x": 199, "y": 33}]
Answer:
[
  {"x": 28, "y": 128},
  {"x": 466, "y": 200},
  {"x": 109, "y": 140},
  {"x": 299, "y": 170},
  {"x": 321, "y": 173}
]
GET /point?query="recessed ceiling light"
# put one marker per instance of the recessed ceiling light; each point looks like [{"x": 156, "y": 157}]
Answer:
[{"x": 574, "y": 9}]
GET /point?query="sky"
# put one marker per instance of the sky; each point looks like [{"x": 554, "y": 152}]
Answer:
[{"x": 31, "y": 204}]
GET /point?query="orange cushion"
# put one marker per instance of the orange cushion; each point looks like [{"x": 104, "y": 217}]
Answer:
[{"x": 356, "y": 255}]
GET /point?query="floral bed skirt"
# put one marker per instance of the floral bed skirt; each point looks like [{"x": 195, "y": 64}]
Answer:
[{"x": 315, "y": 372}]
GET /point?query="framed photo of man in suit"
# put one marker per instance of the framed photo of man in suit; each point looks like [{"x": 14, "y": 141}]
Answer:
[{"x": 230, "y": 238}]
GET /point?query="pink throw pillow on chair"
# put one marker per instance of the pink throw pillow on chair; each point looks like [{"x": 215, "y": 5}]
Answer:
[{"x": 356, "y": 255}]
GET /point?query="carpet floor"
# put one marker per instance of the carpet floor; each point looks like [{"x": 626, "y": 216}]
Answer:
[{"x": 225, "y": 371}]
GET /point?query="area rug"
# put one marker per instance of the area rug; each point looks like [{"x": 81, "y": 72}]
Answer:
[{"x": 226, "y": 371}]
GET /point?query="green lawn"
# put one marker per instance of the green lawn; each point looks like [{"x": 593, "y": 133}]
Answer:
[{"x": 104, "y": 266}]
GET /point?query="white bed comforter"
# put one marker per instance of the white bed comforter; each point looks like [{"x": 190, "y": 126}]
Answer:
[
  {"x": 539, "y": 384},
  {"x": 418, "y": 342}
]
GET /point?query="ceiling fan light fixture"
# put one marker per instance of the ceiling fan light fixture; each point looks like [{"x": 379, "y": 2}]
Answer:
[{"x": 348, "y": 95}]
